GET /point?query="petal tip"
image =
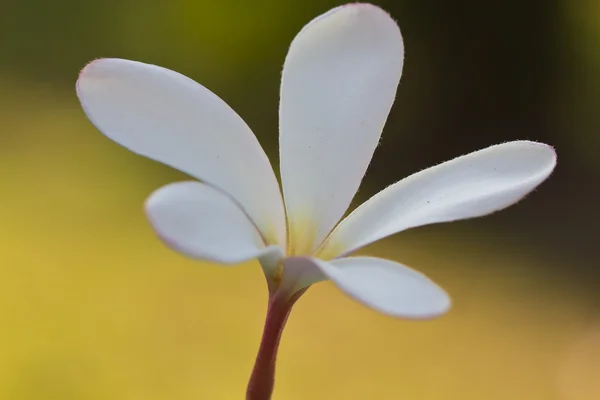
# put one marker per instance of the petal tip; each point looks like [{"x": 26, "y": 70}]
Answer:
[
  {"x": 83, "y": 74},
  {"x": 435, "y": 309},
  {"x": 87, "y": 72},
  {"x": 97, "y": 66},
  {"x": 550, "y": 153},
  {"x": 358, "y": 13},
  {"x": 553, "y": 157},
  {"x": 543, "y": 153},
  {"x": 444, "y": 305},
  {"x": 360, "y": 5},
  {"x": 365, "y": 7},
  {"x": 89, "y": 67},
  {"x": 368, "y": 10},
  {"x": 158, "y": 195}
]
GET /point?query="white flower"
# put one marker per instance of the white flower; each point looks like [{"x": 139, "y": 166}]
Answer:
[{"x": 339, "y": 82}]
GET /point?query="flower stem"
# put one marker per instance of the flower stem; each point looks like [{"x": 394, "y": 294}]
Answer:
[{"x": 262, "y": 379}]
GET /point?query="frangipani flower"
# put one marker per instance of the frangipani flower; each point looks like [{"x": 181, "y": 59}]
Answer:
[{"x": 338, "y": 85}]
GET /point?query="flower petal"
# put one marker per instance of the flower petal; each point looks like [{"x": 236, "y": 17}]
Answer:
[
  {"x": 168, "y": 117},
  {"x": 299, "y": 272},
  {"x": 202, "y": 222},
  {"x": 339, "y": 82},
  {"x": 469, "y": 186},
  {"x": 386, "y": 286}
]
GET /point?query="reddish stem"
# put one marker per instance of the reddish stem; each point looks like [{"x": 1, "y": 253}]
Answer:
[{"x": 262, "y": 379}]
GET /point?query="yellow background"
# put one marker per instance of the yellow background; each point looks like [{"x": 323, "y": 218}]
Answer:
[{"x": 94, "y": 307}]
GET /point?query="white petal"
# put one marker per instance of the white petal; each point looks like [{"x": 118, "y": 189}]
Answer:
[
  {"x": 168, "y": 117},
  {"x": 300, "y": 272},
  {"x": 339, "y": 82},
  {"x": 387, "y": 286},
  {"x": 201, "y": 222},
  {"x": 469, "y": 186}
]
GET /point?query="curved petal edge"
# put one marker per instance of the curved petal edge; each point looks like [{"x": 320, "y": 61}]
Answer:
[
  {"x": 170, "y": 118},
  {"x": 201, "y": 222},
  {"x": 470, "y": 186},
  {"x": 338, "y": 85},
  {"x": 385, "y": 286}
]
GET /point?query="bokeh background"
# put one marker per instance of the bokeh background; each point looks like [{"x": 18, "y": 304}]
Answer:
[{"x": 94, "y": 307}]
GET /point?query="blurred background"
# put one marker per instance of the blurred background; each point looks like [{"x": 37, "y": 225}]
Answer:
[{"x": 94, "y": 307}]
